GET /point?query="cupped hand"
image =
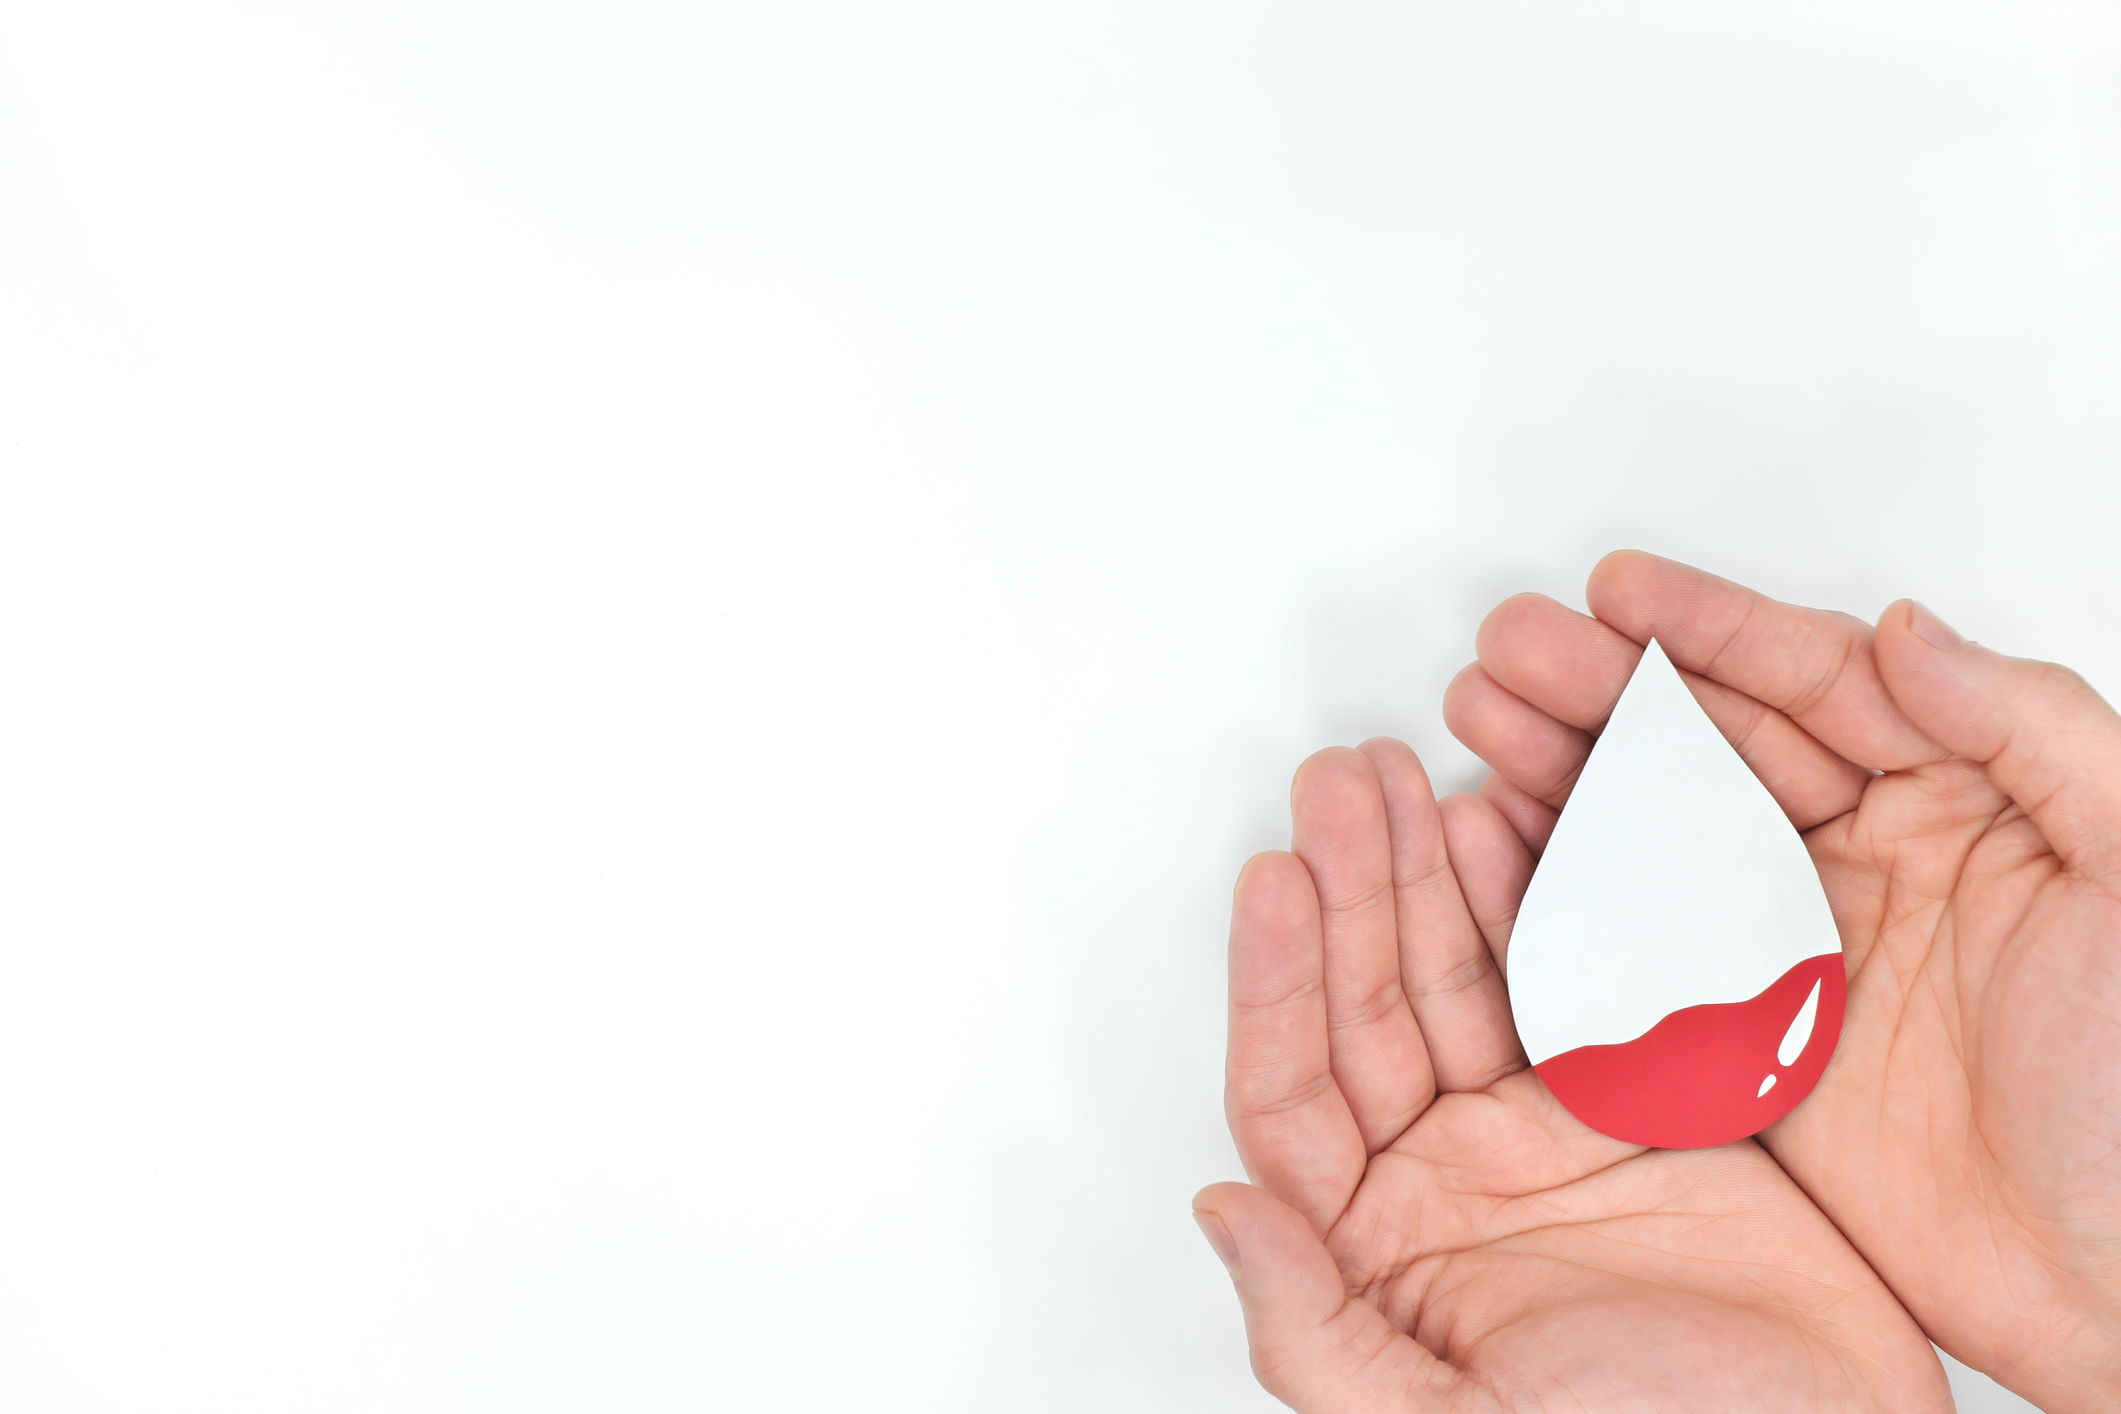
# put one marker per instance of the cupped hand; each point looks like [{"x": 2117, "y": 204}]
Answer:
[
  {"x": 1964, "y": 811},
  {"x": 1430, "y": 1230}
]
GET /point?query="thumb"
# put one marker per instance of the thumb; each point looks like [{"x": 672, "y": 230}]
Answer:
[
  {"x": 2050, "y": 743},
  {"x": 1314, "y": 1347}
]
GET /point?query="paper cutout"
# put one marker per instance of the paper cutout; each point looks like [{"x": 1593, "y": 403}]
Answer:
[{"x": 1675, "y": 970}]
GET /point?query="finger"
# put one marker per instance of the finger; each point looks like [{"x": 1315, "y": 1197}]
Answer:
[
  {"x": 1815, "y": 666},
  {"x": 1574, "y": 668},
  {"x": 1292, "y": 1126},
  {"x": 1493, "y": 865},
  {"x": 1343, "y": 838},
  {"x": 2050, "y": 742},
  {"x": 1533, "y": 819},
  {"x": 1444, "y": 963},
  {"x": 1567, "y": 664},
  {"x": 1528, "y": 748},
  {"x": 1534, "y": 648},
  {"x": 1314, "y": 1347}
]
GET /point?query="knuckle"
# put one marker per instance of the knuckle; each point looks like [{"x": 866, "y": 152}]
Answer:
[
  {"x": 1370, "y": 1008},
  {"x": 1273, "y": 1365},
  {"x": 1356, "y": 899},
  {"x": 1267, "y": 1091},
  {"x": 2061, "y": 681},
  {"x": 1824, "y": 680},
  {"x": 1468, "y": 971},
  {"x": 1744, "y": 732},
  {"x": 1421, "y": 872},
  {"x": 1730, "y": 639},
  {"x": 1255, "y": 999}
]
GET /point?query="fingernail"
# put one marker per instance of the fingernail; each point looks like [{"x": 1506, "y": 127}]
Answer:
[
  {"x": 1933, "y": 630},
  {"x": 1218, "y": 1237}
]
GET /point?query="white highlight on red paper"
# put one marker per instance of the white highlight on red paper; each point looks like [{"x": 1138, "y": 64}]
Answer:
[{"x": 1800, "y": 1029}]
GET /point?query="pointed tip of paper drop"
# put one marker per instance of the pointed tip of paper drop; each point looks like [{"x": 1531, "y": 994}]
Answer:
[
  {"x": 1674, "y": 884},
  {"x": 1653, "y": 653}
]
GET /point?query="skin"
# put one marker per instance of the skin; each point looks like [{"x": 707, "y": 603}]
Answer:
[
  {"x": 1426, "y": 1228},
  {"x": 1964, "y": 811}
]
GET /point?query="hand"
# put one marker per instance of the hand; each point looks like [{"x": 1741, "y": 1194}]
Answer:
[
  {"x": 1967, "y": 1134},
  {"x": 1435, "y": 1232}
]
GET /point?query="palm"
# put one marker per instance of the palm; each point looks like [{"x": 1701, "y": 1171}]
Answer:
[
  {"x": 1982, "y": 1044},
  {"x": 1466, "y": 1243},
  {"x": 1966, "y": 1136},
  {"x": 1554, "y": 1266}
]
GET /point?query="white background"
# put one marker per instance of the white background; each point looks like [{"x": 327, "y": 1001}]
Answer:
[{"x": 637, "y": 642}]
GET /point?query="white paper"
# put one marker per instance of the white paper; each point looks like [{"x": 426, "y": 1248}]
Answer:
[{"x": 1673, "y": 879}]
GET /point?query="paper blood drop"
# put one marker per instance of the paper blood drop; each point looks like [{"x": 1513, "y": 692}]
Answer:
[{"x": 1675, "y": 970}]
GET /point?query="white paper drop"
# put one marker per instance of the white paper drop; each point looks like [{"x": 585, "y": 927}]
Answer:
[{"x": 1672, "y": 880}]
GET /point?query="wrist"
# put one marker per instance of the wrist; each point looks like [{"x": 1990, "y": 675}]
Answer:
[{"x": 2077, "y": 1373}]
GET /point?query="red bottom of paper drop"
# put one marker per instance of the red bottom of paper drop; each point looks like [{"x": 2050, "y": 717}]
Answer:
[{"x": 1699, "y": 1076}]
